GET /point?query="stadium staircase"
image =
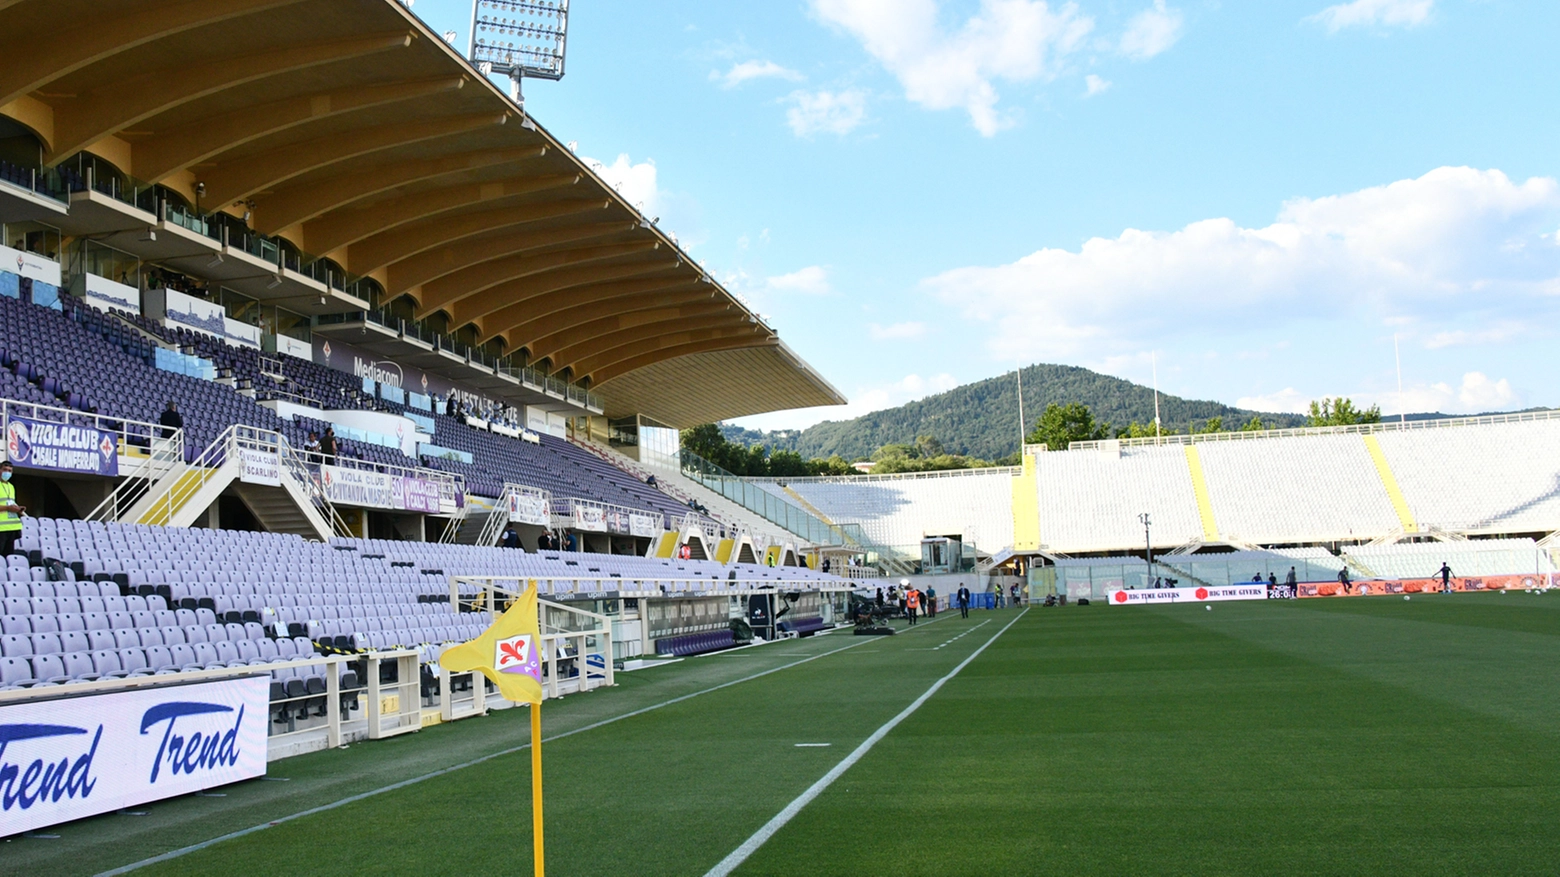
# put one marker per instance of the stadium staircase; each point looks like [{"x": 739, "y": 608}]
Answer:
[
  {"x": 805, "y": 525},
  {"x": 684, "y": 490},
  {"x": 184, "y": 491}
]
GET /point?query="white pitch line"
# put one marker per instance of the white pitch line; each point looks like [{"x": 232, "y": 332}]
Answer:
[
  {"x": 751, "y": 845},
  {"x": 174, "y": 854}
]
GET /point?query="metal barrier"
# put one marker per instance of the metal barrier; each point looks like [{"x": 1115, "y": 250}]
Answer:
[{"x": 317, "y": 718}]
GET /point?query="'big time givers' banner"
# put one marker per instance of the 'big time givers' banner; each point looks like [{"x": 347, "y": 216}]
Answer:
[
  {"x": 79, "y": 756},
  {"x": 59, "y": 447},
  {"x": 379, "y": 490}
]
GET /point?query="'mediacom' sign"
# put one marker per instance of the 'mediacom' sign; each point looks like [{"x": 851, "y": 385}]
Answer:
[
  {"x": 77, "y": 757},
  {"x": 1148, "y": 596}
]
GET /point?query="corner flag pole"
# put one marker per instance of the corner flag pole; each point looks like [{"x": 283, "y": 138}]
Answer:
[{"x": 536, "y": 785}]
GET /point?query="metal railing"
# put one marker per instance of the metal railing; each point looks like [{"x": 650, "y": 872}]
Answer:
[
  {"x": 800, "y": 522},
  {"x": 569, "y": 508},
  {"x": 569, "y": 635},
  {"x": 500, "y": 517},
  {"x": 1352, "y": 429}
]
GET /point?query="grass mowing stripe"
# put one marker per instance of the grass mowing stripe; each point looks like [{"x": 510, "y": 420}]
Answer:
[
  {"x": 760, "y": 837},
  {"x": 174, "y": 854}
]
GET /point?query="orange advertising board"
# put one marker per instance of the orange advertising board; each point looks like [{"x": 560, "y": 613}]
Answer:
[{"x": 1379, "y": 587}]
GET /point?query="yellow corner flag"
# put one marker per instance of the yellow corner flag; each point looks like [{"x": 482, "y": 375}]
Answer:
[{"x": 508, "y": 652}]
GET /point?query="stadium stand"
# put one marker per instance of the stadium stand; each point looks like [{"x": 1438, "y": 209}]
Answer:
[
  {"x": 897, "y": 510},
  {"x": 146, "y": 600},
  {"x": 1315, "y": 488},
  {"x": 1499, "y": 477},
  {"x": 1470, "y": 557}
]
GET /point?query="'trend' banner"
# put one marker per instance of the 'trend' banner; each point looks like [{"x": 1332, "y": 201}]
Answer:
[
  {"x": 59, "y": 447},
  {"x": 77, "y": 757},
  {"x": 1150, "y": 596}
]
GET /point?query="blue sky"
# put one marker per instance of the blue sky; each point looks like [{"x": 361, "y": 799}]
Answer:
[{"x": 1258, "y": 196}]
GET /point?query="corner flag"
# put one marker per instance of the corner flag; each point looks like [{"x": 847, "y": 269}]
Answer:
[{"x": 507, "y": 653}]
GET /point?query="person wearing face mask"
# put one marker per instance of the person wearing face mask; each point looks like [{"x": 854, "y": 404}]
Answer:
[{"x": 10, "y": 512}]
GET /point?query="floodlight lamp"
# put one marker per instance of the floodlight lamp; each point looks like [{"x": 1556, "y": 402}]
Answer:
[
  {"x": 275, "y": 281},
  {"x": 519, "y": 38}
]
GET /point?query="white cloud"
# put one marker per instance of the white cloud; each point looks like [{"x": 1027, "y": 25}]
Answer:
[
  {"x": 833, "y": 112},
  {"x": 635, "y": 182},
  {"x": 1365, "y": 13},
  {"x": 865, "y": 400},
  {"x": 812, "y": 280},
  {"x": 1504, "y": 331},
  {"x": 895, "y": 331},
  {"x": 746, "y": 70},
  {"x": 1285, "y": 401},
  {"x": 1456, "y": 246},
  {"x": 1476, "y": 394},
  {"x": 1012, "y": 40},
  {"x": 1095, "y": 85},
  {"x": 1151, "y": 31}
]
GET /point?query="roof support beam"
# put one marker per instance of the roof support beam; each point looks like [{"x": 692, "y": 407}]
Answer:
[
  {"x": 174, "y": 149},
  {"x": 381, "y": 217},
  {"x": 417, "y": 270},
  {"x": 36, "y": 56},
  {"x": 606, "y": 371},
  {"x": 495, "y": 298},
  {"x": 445, "y": 291},
  {"x": 239, "y": 178},
  {"x": 650, "y": 317},
  {"x": 91, "y": 117},
  {"x": 521, "y": 311},
  {"x": 304, "y": 200},
  {"x": 585, "y": 305},
  {"x": 603, "y": 347}
]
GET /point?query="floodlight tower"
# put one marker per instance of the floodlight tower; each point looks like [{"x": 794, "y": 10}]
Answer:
[
  {"x": 519, "y": 38},
  {"x": 1148, "y": 546}
]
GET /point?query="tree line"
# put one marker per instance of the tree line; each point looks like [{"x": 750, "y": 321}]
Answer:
[{"x": 1057, "y": 427}]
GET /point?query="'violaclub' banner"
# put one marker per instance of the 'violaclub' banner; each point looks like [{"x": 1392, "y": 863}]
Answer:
[{"x": 61, "y": 447}]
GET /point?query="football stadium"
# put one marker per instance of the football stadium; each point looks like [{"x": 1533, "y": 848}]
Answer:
[{"x": 349, "y": 529}]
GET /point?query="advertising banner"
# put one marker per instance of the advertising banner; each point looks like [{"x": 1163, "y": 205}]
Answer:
[
  {"x": 237, "y": 332},
  {"x": 59, "y": 447},
  {"x": 30, "y": 265},
  {"x": 194, "y": 313},
  {"x": 260, "y": 467},
  {"x": 1463, "y": 584},
  {"x": 1151, "y": 596},
  {"x": 532, "y": 510},
  {"x": 617, "y": 521},
  {"x": 644, "y": 525},
  {"x": 589, "y": 517},
  {"x": 103, "y": 294},
  {"x": 294, "y": 347},
  {"x": 341, "y": 356},
  {"x": 358, "y": 487},
  {"x": 418, "y": 495},
  {"x": 79, "y": 756}
]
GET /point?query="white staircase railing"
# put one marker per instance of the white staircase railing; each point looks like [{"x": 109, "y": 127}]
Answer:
[
  {"x": 494, "y": 525},
  {"x": 303, "y": 476}
]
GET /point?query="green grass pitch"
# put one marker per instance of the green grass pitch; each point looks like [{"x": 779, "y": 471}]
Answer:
[{"x": 1363, "y": 736}]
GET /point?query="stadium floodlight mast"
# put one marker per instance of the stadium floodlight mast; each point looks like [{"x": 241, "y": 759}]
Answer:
[
  {"x": 519, "y": 38},
  {"x": 1148, "y": 546}
]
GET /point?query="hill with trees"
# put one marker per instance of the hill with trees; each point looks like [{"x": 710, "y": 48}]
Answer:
[{"x": 980, "y": 420}]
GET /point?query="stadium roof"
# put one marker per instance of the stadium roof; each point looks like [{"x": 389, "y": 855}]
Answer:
[{"x": 351, "y": 130}]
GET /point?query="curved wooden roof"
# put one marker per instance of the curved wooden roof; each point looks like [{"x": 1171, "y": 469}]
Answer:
[{"x": 351, "y": 130}]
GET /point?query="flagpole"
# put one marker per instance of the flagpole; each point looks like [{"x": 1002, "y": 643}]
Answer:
[{"x": 536, "y": 785}]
